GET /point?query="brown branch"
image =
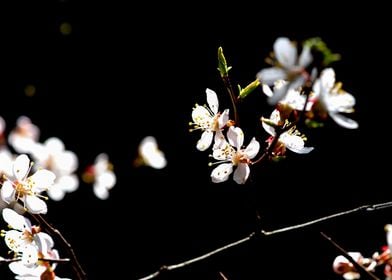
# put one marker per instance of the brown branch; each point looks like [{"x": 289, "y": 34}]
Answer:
[
  {"x": 81, "y": 275},
  {"x": 263, "y": 233},
  {"x": 357, "y": 265},
  {"x": 230, "y": 90}
]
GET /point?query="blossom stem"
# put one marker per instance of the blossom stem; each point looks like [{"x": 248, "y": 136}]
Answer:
[
  {"x": 357, "y": 265},
  {"x": 264, "y": 233},
  {"x": 80, "y": 273},
  {"x": 230, "y": 90}
]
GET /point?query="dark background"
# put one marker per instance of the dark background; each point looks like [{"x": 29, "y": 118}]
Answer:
[{"x": 127, "y": 71}]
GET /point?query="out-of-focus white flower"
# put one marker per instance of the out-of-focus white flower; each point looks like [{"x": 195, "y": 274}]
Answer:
[
  {"x": 53, "y": 156},
  {"x": 231, "y": 154},
  {"x": 288, "y": 67},
  {"x": 6, "y": 161},
  {"x": 208, "y": 119},
  {"x": 292, "y": 139},
  {"x": 294, "y": 99},
  {"x": 2, "y": 129},
  {"x": 333, "y": 99},
  {"x": 344, "y": 267},
  {"x": 101, "y": 175},
  {"x": 150, "y": 154},
  {"x": 27, "y": 189},
  {"x": 24, "y": 136}
]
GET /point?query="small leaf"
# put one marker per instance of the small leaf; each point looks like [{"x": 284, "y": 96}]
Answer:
[
  {"x": 222, "y": 64},
  {"x": 249, "y": 88},
  {"x": 313, "y": 124},
  {"x": 318, "y": 44}
]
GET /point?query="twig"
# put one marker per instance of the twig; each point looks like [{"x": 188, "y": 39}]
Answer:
[
  {"x": 81, "y": 275},
  {"x": 229, "y": 87},
  {"x": 366, "y": 208},
  {"x": 357, "y": 265}
]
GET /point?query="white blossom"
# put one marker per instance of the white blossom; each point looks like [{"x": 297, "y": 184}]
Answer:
[
  {"x": 209, "y": 120},
  {"x": 24, "y": 136},
  {"x": 288, "y": 67},
  {"x": 150, "y": 154},
  {"x": 27, "y": 189},
  {"x": 333, "y": 99},
  {"x": 230, "y": 154}
]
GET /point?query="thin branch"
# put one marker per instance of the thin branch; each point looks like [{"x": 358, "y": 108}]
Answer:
[
  {"x": 357, "y": 265},
  {"x": 81, "y": 275},
  {"x": 263, "y": 233},
  {"x": 2, "y": 260},
  {"x": 230, "y": 90}
]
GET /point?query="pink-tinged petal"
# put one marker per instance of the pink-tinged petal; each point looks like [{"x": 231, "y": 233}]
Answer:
[
  {"x": 267, "y": 90},
  {"x": 305, "y": 58},
  {"x": 212, "y": 100},
  {"x": 21, "y": 167},
  {"x": 235, "y": 136},
  {"x": 252, "y": 149},
  {"x": 101, "y": 192},
  {"x": 7, "y": 192},
  {"x": 15, "y": 220},
  {"x": 2, "y": 125},
  {"x": 285, "y": 52},
  {"x": 35, "y": 205},
  {"x": 270, "y": 75},
  {"x": 241, "y": 174},
  {"x": 221, "y": 173},
  {"x": 388, "y": 229},
  {"x": 223, "y": 119},
  {"x": 343, "y": 121},
  {"x": 205, "y": 141},
  {"x": 42, "y": 180}
]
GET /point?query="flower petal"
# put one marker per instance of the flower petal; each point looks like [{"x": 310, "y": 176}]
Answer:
[
  {"x": 327, "y": 79},
  {"x": 305, "y": 58},
  {"x": 295, "y": 143},
  {"x": 106, "y": 180},
  {"x": 241, "y": 174},
  {"x": 344, "y": 121},
  {"x": 252, "y": 149},
  {"x": 7, "y": 192},
  {"x": 235, "y": 136},
  {"x": 54, "y": 145},
  {"x": 202, "y": 117},
  {"x": 212, "y": 100},
  {"x": 14, "y": 240},
  {"x": 267, "y": 90},
  {"x": 21, "y": 167},
  {"x": 205, "y": 141},
  {"x": 101, "y": 192},
  {"x": 15, "y": 220},
  {"x": 285, "y": 52},
  {"x": 279, "y": 94},
  {"x": 35, "y": 205},
  {"x": 270, "y": 75},
  {"x": 68, "y": 183},
  {"x": 223, "y": 119},
  {"x": 221, "y": 173},
  {"x": 42, "y": 180},
  {"x": 55, "y": 192}
]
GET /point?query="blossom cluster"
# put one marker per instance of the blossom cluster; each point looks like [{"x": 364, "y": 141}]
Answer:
[{"x": 293, "y": 86}]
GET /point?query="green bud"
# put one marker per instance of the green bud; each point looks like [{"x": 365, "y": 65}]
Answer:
[
  {"x": 248, "y": 89},
  {"x": 222, "y": 64}
]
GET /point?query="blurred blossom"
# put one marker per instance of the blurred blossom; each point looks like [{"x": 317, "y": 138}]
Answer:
[
  {"x": 150, "y": 155},
  {"x": 24, "y": 136},
  {"x": 333, "y": 100},
  {"x": 52, "y": 156},
  {"x": 286, "y": 66},
  {"x": 101, "y": 176}
]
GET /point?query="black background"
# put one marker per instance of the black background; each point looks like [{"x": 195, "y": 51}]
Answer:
[{"x": 131, "y": 70}]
